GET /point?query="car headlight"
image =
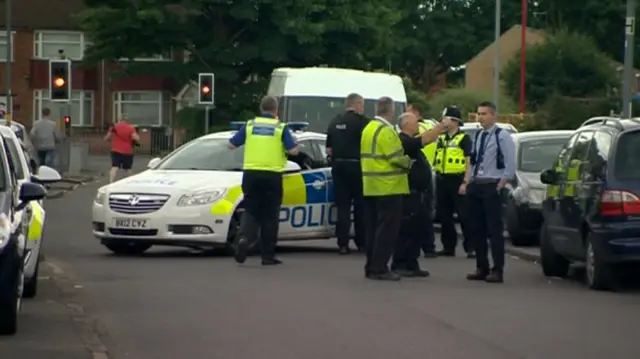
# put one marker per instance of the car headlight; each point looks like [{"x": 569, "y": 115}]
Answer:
[
  {"x": 99, "y": 197},
  {"x": 200, "y": 198},
  {"x": 5, "y": 230}
]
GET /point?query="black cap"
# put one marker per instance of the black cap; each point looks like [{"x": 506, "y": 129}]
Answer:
[{"x": 453, "y": 113}]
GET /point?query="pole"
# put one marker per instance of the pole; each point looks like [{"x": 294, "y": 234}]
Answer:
[
  {"x": 496, "y": 60},
  {"x": 7, "y": 10},
  {"x": 206, "y": 119},
  {"x": 628, "y": 58},
  {"x": 523, "y": 55}
]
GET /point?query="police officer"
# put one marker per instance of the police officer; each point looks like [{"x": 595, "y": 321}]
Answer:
[
  {"x": 493, "y": 164},
  {"x": 266, "y": 142},
  {"x": 428, "y": 240},
  {"x": 343, "y": 150},
  {"x": 452, "y": 176},
  {"x": 416, "y": 206}
]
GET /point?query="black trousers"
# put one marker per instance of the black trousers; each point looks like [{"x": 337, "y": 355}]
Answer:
[
  {"x": 262, "y": 199},
  {"x": 407, "y": 251},
  {"x": 485, "y": 219},
  {"x": 383, "y": 217},
  {"x": 347, "y": 190},
  {"x": 450, "y": 202},
  {"x": 427, "y": 233}
]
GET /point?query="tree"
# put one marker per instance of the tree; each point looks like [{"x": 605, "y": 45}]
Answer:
[
  {"x": 240, "y": 41},
  {"x": 566, "y": 64}
]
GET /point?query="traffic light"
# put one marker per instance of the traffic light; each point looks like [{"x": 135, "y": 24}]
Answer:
[
  {"x": 67, "y": 125},
  {"x": 205, "y": 86},
  {"x": 60, "y": 80}
]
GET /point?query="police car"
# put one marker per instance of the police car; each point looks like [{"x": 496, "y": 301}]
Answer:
[
  {"x": 193, "y": 197},
  {"x": 25, "y": 170}
]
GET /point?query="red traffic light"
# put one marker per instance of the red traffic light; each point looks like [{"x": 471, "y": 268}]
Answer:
[
  {"x": 206, "y": 90},
  {"x": 59, "y": 82},
  {"x": 67, "y": 119}
]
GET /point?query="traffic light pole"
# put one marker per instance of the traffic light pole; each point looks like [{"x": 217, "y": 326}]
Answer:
[{"x": 7, "y": 4}]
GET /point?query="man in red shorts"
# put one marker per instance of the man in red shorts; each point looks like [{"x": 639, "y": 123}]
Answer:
[{"x": 123, "y": 138}]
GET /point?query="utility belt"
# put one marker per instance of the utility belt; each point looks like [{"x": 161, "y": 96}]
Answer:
[{"x": 354, "y": 160}]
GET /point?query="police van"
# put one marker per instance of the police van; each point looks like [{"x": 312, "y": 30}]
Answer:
[
  {"x": 317, "y": 94},
  {"x": 193, "y": 197}
]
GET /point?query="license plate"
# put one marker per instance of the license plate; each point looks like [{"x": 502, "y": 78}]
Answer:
[{"x": 130, "y": 223}]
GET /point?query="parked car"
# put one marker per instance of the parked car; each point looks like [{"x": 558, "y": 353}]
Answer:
[
  {"x": 522, "y": 200},
  {"x": 14, "y": 199},
  {"x": 592, "y": 207}
]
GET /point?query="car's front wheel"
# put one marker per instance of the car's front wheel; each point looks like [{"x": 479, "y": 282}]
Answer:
[
  {"x": 11, "y": 285},
  {"x": 126, "y": 248}
]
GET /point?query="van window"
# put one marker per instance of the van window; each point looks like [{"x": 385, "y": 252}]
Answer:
[
  {"x": 627, "y": 160},
  {"x": 319, "y": 111}
]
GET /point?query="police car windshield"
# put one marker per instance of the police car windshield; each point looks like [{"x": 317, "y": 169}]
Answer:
[
  {"x": 318, "y": 111},
  {"x": 205, "y": 155},
  {"x": 536, "y": 155}
]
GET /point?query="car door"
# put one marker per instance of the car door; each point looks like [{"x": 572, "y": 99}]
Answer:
[
  {"x": 303, "y": 213},
  {"x": 572, "y": 197},
  {"x": 331, "y": 210}
]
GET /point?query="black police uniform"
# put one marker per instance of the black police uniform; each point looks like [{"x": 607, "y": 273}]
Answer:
[
  {"x": 449, "y": 200},
  {"x": 343, "y": 137},
  {"x": 416, "y": 207}
]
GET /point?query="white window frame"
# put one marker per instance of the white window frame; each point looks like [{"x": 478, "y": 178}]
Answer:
[
  {"x": 117, "y": 106},
  {"x": 159, "y": 57},
  {"x": 13, "y": 45},
  {"x": 38, "y": 43},
  {"x": 37, "y": 107}
]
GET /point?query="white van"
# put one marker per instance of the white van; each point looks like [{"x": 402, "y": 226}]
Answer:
[{"x": 317, "y": 94}]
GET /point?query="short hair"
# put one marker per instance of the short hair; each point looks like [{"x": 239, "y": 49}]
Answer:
[
  {"x": 416, "y": 107},
  {"x": 353, "y": 98},
  {"x": 385, "y": 106},
  {"x": 402, "y": 120},
  {"x": 269, "y": 104},
  {"x": 46, "y": 112},
  {"x": 488, "y": 104}
]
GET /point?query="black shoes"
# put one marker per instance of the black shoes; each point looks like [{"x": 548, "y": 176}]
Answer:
[
  {"x": 345, "y": 251},
  {"x": 271, "y": 262},
  {"x": 418, "y": 273},
  {"x": 390, "y": 276},
  {"x": 492, "y": 277},
  {"x": 241, "y": 250}
]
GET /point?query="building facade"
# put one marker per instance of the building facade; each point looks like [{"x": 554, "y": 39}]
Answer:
[{"x": 41, "y": 31}]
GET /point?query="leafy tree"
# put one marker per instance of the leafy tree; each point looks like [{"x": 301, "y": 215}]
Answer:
[
  {"x": 240, "y": 41},
  {"x": 567, "y": 64},
  {"x": 466, "y": 100}
]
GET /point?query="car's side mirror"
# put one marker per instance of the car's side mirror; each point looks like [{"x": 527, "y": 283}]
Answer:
[
  {"x": 292, "y": 167},
  {"x": 29, "y": 192},
  {"x": 549, "y": 177},
  {"x": 154, "y": 162},
  {"x": 45, "y": 175}
]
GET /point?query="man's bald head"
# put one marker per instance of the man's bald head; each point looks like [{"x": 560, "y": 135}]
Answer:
[{"x": 408, "y": 123}]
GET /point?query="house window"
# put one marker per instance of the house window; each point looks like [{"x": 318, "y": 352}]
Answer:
[
  {"x": 143, "y": 108},
  {"x": 3, "y": 46},
  {"x": 80, "y": 108},
  {"x": 162, "y": 57},
  {"x": 49, "y": 43}
]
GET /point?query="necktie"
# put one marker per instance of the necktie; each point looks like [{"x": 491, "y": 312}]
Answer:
[{"x": 480, "y": 154}]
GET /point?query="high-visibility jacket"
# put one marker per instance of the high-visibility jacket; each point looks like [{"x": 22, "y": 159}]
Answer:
[
  {"x": 450, "y": 157},
  {"x": 264, "y": 150},
  {"x": 573, "y": 176},
  {"x": 430, "y": 149},
  {"x": 385, "y": 167}
]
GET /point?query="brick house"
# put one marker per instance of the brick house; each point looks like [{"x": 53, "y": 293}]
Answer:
[{"x": 43, "y": 27}]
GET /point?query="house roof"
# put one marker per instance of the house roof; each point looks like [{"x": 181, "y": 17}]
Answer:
[
  {"x": 529, "y": 30},
  {"x": 43, "y": 14}
]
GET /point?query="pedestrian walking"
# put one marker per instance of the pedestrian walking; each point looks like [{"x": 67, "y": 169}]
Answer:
[
  {"x": 453, "y": 165},
  {"x": 266, "y": 142},
  {"x": 493, "y": 165},
  {"x": 45, "y": 136},
  {"x": 124, "y": 138},
  {"x": 416, "y": 206},
  {"x": 428, "y": 239},
  {"x": 343, "y": 151}
]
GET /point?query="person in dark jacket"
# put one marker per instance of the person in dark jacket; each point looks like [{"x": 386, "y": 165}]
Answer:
[
  {"x": 417, "y": 206},
  {"x": 343, "y": 151}
]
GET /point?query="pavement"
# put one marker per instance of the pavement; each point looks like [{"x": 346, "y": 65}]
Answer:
[{"x": 174, "y": 303}]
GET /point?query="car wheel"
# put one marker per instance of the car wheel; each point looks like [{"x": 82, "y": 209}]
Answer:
[
  {"x": 599, "y": 274},
  {"x": 126, "y": 248},
  {"x": 11, "y": 285},
  {"x": 31, "y": 284},
  {"x": 553, "y": 264}
]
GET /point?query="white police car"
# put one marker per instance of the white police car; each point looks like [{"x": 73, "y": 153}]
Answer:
[{"x": 193, "y": 197}]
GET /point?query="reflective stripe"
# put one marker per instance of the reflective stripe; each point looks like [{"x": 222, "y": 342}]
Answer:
[
  {"x": 227, "y": 204},
  {"x": 294, "y": 191},
  {"x": 37, "y": 222}
]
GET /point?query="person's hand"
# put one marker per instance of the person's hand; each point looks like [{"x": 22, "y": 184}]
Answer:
[
  {"x": 501, "y": 184},
  {"x": 440, "y": 127},
  {"x": 462, "y": 189}
]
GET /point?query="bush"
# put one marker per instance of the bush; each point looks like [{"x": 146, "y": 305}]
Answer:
[
  {"x": 567, "y": 64},
  {"x": 555, "y": 116},
  {"x": 415, "y": 96},
  {"x": 467, "y": 101}
]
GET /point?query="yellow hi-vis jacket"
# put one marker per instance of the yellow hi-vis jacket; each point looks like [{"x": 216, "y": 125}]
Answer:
[{"x": 264, "y": 150}]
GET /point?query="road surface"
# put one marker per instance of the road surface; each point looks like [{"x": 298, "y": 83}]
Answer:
[{"x": 175, "y": 304}]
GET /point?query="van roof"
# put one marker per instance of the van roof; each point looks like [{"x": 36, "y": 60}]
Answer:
[{"x": 338, "y": 83}]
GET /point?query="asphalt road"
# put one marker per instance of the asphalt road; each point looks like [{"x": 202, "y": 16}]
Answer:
[{"x": 174, "y": 304}]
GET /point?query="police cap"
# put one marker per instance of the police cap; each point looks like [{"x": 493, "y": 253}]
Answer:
[{"x": 453, "y": 113}]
